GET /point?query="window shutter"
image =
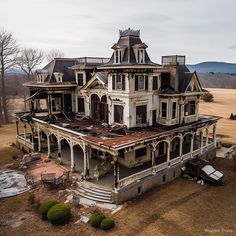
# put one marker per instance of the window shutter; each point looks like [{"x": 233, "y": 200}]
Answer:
[
  {"x": 113, "y": 82},
  {"x": 136, "y": 83},
  {"x": 146, "y": 82},
  {"x": 123, "y": 82}
]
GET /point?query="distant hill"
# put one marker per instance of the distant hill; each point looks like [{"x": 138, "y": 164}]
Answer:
[{"x": 213, "y": 67}]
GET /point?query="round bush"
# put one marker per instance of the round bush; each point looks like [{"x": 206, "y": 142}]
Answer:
[
  {"x": 59, "y": 214},
  {"x": 45, "y": 206},
  {"x": 107, "y": 224},
  {"x": 96, "y": 219},
  {"x": 208, "y": 97}
]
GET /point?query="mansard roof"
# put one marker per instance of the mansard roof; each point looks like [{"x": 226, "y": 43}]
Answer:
[
  {"x": 129, "y": 39},
  {"x": 59, "y": 65}
]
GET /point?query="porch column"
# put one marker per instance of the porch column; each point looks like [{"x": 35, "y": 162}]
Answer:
[
  {"x": 86, "y": 161},
  {"x": 49, "y": 105},
  {"x": 39, "y": 140},
  {"x": 168, "y": 153},
  {"x": 181, "y": 148},
  {"x": 201, "y": 133},
  {"x": 116, "y": 172},
  {"x": 32, "y": 138},
  {"x": 17, "y": 128},
  {"x": 59, "y": 149},
  {"x": 72, "y": 160},
  {"x": 153, "y": 155},
  {"x": 192, "y": 142},
  {"x": 214, "y": 134},
  {"x": 24, "y": 131},
  {"x": 206, "y": 137},
  {"x": 49, "y": 145}
]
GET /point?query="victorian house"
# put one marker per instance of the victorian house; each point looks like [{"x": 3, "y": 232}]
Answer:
[{"x": 125, "y": 123}]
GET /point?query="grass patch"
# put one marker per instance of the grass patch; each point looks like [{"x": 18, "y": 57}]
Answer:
[
  {"x": 13, "y": 204},
  {"x": 8, "y": 154}
]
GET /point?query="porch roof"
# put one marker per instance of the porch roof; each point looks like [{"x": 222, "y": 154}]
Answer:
[{"x": 110, "y": 137}]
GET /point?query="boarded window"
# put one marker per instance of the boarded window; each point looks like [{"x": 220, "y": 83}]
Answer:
[
  {"x": 140, "y": 152},
  {"x": 173, "y": 110},
  {"x": 141, "y": 114},
  {"x": 154, "y": 83},
  {"x": 80, "y": 104},
  {"x": 163, "y": 109},
  {"x": 118, "y": 114}
]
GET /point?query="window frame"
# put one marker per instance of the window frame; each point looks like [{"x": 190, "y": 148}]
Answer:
[
  {"x": 122, "y": 82},
  {"x": 174, "y": 110},
  {"x": 166, "y": 110},
  {"x": 140, "y": 152},
  {"x": 81, "y": 98}
]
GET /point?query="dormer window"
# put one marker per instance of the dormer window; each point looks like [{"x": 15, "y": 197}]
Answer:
[
  {"x": 58, "y": 77},
  {"x": 117, "y": 56},
  {"x": 40, "y": 78},
  {"x": 141, "y": 56}
]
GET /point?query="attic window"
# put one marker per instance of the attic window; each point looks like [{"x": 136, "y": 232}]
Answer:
[
  {"x": 40, "y": 78},
  {"x": 141, "y": 56},
  {"x": 80, "y": 77},
  {"x": 60, "y": 78}
]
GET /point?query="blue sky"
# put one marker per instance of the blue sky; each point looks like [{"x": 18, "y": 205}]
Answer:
[{"x": 203, "y": 30}]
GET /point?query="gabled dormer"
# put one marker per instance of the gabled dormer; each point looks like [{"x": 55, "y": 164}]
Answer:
[
  {"x": 41, "y": 76},
  {"x": 58, "y": 77},
  {"x": 194, "y": 85},
  {"x": 119, "y": 51},
  {"x": 140, "y": 52}
]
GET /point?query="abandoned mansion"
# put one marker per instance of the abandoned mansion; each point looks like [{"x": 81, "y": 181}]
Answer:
[{"x": 125, "y": 123}]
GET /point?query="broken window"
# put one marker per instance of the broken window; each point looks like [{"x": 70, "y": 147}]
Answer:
[
  {"x": 141, "y": 82},
  {"x": 141, "y": 114},
  {"x": 154, "y": 82},
  {"x": 118, "y": 114},
  {"x": 81, "y": 105},
  {"x": 163, "y": 110},
  {"x": 140, "y": 152},
  {"x": 173, "y": 110},
  {"x": 118, "y": 82},
  {"x": 80, "y": 79}
]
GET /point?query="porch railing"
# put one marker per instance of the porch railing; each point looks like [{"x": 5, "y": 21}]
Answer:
[
  {"x": 153, "y": 170},
  {"x": 24, "y": 141}
]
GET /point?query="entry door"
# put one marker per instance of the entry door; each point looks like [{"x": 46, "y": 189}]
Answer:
[{"x": 154, "y": 118}]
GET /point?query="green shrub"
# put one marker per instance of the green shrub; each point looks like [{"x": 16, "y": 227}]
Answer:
[
  {"x": 96, "y": 219},
  {"x": 45, "y": 206},
  {"x": 208, "y": 97},
  {"x": 59, "y": 214},
  {"x": 107, "y": 224}
]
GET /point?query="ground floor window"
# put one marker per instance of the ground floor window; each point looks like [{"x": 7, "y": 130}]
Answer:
[
  {"x": 81, "y": 105},
  {"x": 141, "y": 114},
  {"x": 140, "y": 152},
  {"x": 118, "y": 114}
]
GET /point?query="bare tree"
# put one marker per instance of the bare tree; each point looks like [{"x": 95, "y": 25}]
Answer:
[
  {"x": 8, "y": 54},
  {"x": 54, "y": 54},
  {"x": 29, "y": 59}
]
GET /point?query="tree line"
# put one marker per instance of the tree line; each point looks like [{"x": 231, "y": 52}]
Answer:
[{"x": 13, "y": 56}]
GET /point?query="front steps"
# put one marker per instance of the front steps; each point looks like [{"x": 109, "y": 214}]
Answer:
[{"x": 93, "y": 192}]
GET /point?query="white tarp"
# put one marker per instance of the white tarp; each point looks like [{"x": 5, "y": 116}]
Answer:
[{"x": 12, "y": 183}]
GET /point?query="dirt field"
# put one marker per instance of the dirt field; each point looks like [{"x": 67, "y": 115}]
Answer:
[{"x": 224, "y": 104}]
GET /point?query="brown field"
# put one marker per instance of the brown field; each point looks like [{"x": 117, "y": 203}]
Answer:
[
  {"x": 181, "y": 208},
  {"x": 224, "y": 104}
]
